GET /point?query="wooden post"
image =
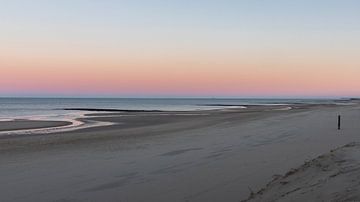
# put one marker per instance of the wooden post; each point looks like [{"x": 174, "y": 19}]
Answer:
[{"x": 339, "y": 122}]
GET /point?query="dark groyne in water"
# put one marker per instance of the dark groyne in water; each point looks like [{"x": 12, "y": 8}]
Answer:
[{"x": 109, "y": 110}]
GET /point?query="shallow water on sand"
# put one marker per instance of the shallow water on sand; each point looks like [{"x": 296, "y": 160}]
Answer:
[{"x": 52, "y": 107}]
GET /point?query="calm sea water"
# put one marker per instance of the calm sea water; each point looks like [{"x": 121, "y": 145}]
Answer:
[{"x": 29, "y": 107}]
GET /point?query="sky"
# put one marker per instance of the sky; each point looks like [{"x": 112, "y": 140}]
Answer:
[{"x": 180, "y": 48}]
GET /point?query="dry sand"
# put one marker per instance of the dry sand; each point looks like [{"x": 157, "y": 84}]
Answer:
[
  {"x": 202, "y": 156},
  {"x": 334, "y": 176}
]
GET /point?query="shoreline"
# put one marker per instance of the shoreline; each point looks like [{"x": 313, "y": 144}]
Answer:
[
  {"x": 211, "y": 155},
  {"x": 83, "y": 120},
  {"x": 79, "y": 120}
]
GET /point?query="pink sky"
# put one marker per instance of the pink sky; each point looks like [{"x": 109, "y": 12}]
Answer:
[{"x": 180, "y": 77}]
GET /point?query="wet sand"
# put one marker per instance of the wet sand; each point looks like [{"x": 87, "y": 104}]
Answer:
[
  {"x": 157, "y": 156},
  {"x": 20, "y": 124}
]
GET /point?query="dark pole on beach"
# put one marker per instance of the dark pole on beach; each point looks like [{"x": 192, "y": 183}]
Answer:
[{"x": 339, "y": 122}]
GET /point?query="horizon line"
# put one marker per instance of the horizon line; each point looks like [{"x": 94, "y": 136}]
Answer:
[{"x": 179, "y": 97}]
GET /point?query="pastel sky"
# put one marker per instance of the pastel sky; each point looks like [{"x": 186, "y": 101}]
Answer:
[{"x": 135, "y": 48}]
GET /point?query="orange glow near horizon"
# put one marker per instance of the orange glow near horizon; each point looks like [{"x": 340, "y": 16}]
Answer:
[{"x": 182, "y": 77}]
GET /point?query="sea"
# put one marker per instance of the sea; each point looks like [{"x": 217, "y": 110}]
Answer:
[{"x": 25, "y": 108}]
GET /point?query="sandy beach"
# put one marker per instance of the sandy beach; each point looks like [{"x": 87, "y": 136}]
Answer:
[
  {"x": 215, "y": 155},
  {"x": 333, "y": 176}
]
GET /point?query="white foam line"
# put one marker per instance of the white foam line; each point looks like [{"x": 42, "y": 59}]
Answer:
[
  {"x": 75, "y": 125},
  {"x": 184, "y": 114},
  {"x": 283, "y": 109},
  {"x": 5, "y": 119}
]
